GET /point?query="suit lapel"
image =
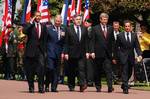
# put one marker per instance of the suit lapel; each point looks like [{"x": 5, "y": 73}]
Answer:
[
  {"x": 74, "y": 32},
  {"x": 132, "y": 37},
  {"x": 82, "y": 32},
  {"x": 101, "y": 32},
  {"x": 123, "y": 37},
  {"x": 35, "y": 31}
]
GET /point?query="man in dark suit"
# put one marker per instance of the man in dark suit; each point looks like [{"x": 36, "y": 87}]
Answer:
[
  {"x": 102, "y": 51},
  {"x": 35, "y": 52},
  {"x": 127, "y": 41},
  {"x": 89, "y": 62},
  {"x": 56, "y": 36},
  {"x": 115, "y": 62},
  {"x": 75, "y": 52}
]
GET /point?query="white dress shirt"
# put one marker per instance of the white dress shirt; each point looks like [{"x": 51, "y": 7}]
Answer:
[
  {"x": 115, "y": 34},
  {"x": 39, "y": 28},
  {"x": 75, "y": 27},
  {"x": 57, "y": 28},
  {"x": 129, "y": 36},
  {"x": 104, "y": 27}
]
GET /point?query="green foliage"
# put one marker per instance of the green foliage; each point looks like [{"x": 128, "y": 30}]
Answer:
[{"x": 124, "y": 9}]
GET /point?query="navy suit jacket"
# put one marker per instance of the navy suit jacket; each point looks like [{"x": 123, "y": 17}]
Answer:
[{"x": 55, "y": 45}]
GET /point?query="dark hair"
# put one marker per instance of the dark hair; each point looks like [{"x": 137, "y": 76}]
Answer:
[
  {"x": 77, "y": 15},
  {"x": 127, "y": 21}
]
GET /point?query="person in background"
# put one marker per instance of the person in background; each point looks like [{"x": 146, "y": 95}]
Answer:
[
  {"x": 89, "y": 62},
  {"x": 116, "y": 65},
  {"x": 10, "y": 49},
  {"x": 144, "y": 38},
  {"x": 21, "y": 47}
]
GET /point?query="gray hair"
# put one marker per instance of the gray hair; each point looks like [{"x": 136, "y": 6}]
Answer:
[{"x": 105, "y": 15}]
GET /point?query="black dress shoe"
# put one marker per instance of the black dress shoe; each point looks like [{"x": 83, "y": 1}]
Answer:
[
  {"x": 41, "y": 91},
  {"x": 110, "y": 90},
  {"x": 82, "y": 88},
  {"x": 71, "y": 89},
  {"x": 46, "y": 89},
  {"x": 31, "y": 90},
  {"x": 98, "y": 90},
  {"x": 125, "y": 91},
  {"x": 54, "y": 90}
]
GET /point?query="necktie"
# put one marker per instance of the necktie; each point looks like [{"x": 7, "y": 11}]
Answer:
[
  {"x": 57, "y": 29},
  {"x": 58, "y": 32},
  {"x": 78, "y": 33},
  {"x": 128, "y": 39},
  {"x": 116, "y": 35},
  {"x": 37, "y": 29},
  {"x": 104, "y": 31}
]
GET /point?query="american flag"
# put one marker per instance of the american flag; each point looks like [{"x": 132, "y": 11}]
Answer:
[
  {"x": 78, "y": 10},
  {"x": 9, "y": 14},
  {"x": 86, "y": 11},
  {"x": 43, "y": 8},
  {"x": 7, "y": 18}
]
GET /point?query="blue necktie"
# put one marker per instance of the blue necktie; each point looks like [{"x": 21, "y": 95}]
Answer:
[
  {"x": 78, "y": 33},
  {"x": 128, "y": 39}
]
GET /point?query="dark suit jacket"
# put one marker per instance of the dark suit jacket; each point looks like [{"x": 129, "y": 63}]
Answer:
[
  {"x": 102, "y": 46},
  {"x": 33, "y": 42},
  {"x": 115, "y": 54},
  {"x": 55, "y": 45},
  {"x": 74, "y": 47},
  {"x": 126, "y": 50}
]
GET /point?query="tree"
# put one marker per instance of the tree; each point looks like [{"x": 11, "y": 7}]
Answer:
[{"x": 135, "y": 10}]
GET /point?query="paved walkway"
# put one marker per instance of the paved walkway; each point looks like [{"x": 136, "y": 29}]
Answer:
[{"x": 19, "y": 90}]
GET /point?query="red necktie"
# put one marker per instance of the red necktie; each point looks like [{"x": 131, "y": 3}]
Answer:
[
  {"x": 105, "y": 32},
  {"x": 37, "y": 30}
]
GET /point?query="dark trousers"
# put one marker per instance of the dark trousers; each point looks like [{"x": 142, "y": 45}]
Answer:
[
  {"x": 9, "y": 67},
  {"x": 76, "y": 67},
  {"x": 52, "y": 74},
  {"x": 117, "y": 71},
  {"x": 102, "y": 64},
  {"x": 126, "y": 73},
  {"x": 35, "y": 65},
  {"x": 90, "y": 70}
]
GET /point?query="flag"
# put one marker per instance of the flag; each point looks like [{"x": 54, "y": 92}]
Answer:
[
  {"x": 69, "y": 14},
  {"x": 78, "y": 10},
  {"x": 26, "y": 12},
  {"x": 8, "y": 13},
  {"x": 7, "y": 18},
  {"x": 72, "y": 9},
  {"x": 42, "y": 7},
  {"x": 64, "y": 12},
  {"x": 18, "y": 7},
  {"x": 86, "y": 11}
]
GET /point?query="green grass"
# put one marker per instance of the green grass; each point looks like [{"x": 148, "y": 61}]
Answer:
[{"x": 141, "y": 86}]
